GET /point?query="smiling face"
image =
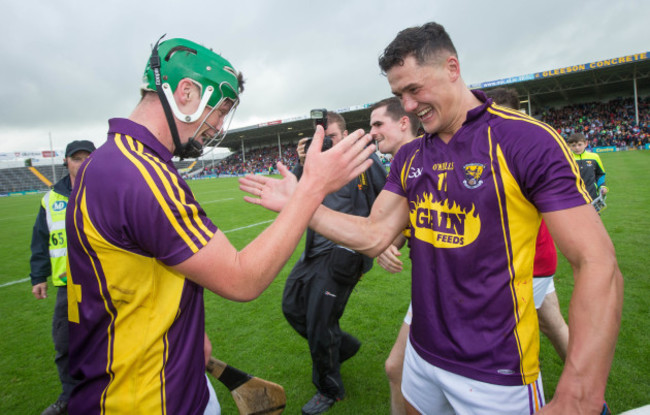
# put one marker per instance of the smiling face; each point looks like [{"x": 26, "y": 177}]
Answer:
[
  {"x": 387, "y": 132},
  {"x": 428, "y": 91}
]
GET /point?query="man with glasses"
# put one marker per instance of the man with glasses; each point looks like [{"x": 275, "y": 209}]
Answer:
[{"x": 141, "y": 248}]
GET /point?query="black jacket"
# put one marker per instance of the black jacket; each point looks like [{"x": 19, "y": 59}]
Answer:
[{"x": 355, "y": 198}]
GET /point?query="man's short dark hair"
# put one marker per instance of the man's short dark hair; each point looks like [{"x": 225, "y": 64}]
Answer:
[
  {"x": 422, "y": 42},
  {"x": 335, "y": 117},
  {"x": 507, "y": 97},
  {"x": 396, "y": 111}
]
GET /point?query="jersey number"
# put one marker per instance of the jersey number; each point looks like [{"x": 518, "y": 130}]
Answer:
[
  {"x": 442, "y": 182},
  {"x": 57, "y": 238}
]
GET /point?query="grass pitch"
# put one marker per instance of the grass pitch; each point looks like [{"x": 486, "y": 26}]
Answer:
[{"x": 254, "y": 336}]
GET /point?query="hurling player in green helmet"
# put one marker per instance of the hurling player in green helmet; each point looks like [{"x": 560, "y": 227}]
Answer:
[
  {"x": 141, "y": 249},
  {"x": 218, "y": 87}
]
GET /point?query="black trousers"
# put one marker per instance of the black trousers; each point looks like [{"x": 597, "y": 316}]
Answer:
[
  {"x": 60, "y": 338},
  {"x": 315, "y": 296}
]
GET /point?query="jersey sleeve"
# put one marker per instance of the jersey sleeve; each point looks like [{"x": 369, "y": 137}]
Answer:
[
  {"x": 544, "y": 166},
  {"x": 399, "y": 170},
  {"x": 39, "y": 261},
  {"x": 146, "y": 208},
  {"x": 173, "y": 226},
  {"x": 599, "y": 171}
]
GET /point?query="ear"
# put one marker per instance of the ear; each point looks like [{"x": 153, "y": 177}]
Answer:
[
  {"x": 185, "y": 92},
  {"x": 345, "y": 133},
  {"x": 403, "y": 123},
  {"x": 453, "y": 67}
]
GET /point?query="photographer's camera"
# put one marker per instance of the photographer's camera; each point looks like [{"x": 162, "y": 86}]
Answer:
[{"x": 319, "y": 116}]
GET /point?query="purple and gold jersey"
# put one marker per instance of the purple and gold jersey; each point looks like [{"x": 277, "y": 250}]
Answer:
[
  {"x": 136, "y": 325},
  {"x": 474, "y": 210}
]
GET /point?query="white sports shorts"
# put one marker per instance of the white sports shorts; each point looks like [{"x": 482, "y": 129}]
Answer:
[
  {"x": 409, "y": 314},
  {"x": 542, "y": 286},
  {"x": 432, "y": 390}
]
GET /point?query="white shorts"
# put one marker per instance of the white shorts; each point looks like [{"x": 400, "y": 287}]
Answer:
[
  {"x": 432, "y": 390},
  {"x": 213, "y": 407},
  {"x": 409, "y": 314},
  {"x": 542, "y": 286}
]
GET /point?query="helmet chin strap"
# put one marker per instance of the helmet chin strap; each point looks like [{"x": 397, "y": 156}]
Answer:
[{"x": 192, "y": 148}]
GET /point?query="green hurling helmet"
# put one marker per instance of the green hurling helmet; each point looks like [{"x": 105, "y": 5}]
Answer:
[
  {"x": 182, "y": 58},
  {"x": 176, "y": 59}
]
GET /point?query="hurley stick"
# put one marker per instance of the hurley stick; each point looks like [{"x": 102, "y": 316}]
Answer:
[{"x": 253, "y": 396}]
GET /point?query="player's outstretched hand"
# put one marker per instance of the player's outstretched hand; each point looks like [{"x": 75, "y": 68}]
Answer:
[
  {"x": 323, "y": 173},
  {"x": 269, "y": 192},
  {"x": 330, "y": 170},
  {"x": 389, "y": 260}
]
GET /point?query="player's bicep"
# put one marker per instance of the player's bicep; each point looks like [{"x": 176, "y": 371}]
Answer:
[{"x": 580, "y": 235}]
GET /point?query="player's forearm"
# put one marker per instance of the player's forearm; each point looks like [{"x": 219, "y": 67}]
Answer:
[
  {"x": 361, "y": 234},
  {"x": 594, "y": 321}
]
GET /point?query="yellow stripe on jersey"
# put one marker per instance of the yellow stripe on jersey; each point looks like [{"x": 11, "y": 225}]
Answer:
[
  {"x": 158, "y": 166},
  {"x": 146, "y": 294},
  {"x": 523, "y": 233},
  {"x": 405, "y": 171},
  {"x": 154, "y": 161},
  {"x": 86, "y": 223},
  {"x": 155, "y": 191},
  {"x": 519, "y": 234},
  {"x": 511, "y": 114}
]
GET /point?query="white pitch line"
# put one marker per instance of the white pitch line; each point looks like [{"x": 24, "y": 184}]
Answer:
[
  {"x": 217, "y": 201},
  {"x": 249, "y": 226},
  {"x": 230, "y": 230},
  {"x": 14, "y": 282}
]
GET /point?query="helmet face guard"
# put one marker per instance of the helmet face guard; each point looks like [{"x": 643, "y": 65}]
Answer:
[
  {"x": 213, "y": 136},
  {"x": 216, "y": 78}
]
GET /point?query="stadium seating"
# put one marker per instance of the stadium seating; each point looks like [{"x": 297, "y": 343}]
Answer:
[{"x": 603, "y": 123}]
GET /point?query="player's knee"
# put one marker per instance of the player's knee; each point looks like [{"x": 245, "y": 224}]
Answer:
[{"x": 393, "y": 369}]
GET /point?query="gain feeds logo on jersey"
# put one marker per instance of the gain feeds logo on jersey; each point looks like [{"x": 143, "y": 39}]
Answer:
[
  {"x": 473, "y": 173},
  {"x": 59, "y": 205},
  {"x": 443, "y": 224}
]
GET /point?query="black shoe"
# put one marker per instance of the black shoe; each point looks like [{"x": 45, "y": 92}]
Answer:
[
  {"x": 318, "y": 404},
  {"x": 57, "y": 408}
]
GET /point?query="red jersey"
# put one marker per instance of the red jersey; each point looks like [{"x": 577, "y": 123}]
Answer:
[{"x": 545, "y": 253}]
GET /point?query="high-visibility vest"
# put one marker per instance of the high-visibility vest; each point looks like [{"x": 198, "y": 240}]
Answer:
[{"x": 54, "y": 205}]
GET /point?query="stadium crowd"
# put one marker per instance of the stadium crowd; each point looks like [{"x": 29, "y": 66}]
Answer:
[
  {"x": 603, "y": 123},
  {"x": 261, "y": 160}
]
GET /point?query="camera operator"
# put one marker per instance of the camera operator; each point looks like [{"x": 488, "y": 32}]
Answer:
[{"x": 320, "y": 283}]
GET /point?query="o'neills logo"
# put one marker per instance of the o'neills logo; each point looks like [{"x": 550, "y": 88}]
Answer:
[{"x": 443, "y": 224}]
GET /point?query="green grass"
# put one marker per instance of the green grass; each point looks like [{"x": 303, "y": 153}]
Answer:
[{"x": 255, "y": 337}]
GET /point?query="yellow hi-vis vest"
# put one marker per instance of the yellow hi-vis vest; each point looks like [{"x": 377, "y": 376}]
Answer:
[{"x": 54, "y": 205}]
